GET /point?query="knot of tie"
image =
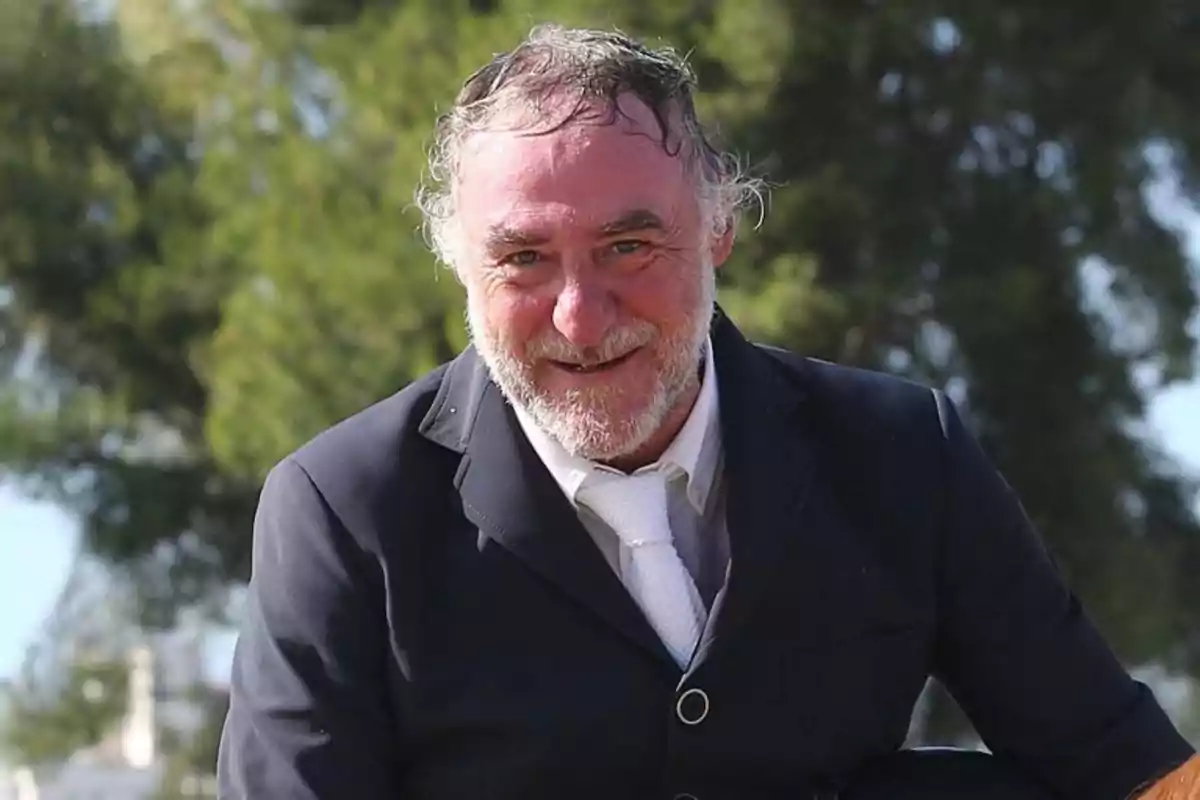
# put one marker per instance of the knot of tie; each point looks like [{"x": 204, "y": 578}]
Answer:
[{"x": 634, "y": 506}]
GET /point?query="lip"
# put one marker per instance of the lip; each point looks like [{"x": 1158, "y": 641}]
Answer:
[{"x": 597, "y": 369}]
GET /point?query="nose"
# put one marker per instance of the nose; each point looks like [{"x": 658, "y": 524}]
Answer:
[{"x": 584, "y": 311}]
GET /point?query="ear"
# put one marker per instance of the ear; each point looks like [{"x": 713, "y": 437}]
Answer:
[{"x": 721, "y": 245}]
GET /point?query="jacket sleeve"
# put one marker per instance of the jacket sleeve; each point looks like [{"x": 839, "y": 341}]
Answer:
[
  {"x": 1019, "y": 653},
  {"x": 308, "y": 713}
]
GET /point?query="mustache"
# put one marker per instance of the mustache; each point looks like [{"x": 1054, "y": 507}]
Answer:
[{"x": 553, "y": 347}]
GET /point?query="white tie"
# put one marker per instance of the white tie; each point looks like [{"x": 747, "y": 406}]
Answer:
[{"x": 635, "y": 507}]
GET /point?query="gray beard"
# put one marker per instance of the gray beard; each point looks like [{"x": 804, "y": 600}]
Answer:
[{"x": 582, "y": 424}]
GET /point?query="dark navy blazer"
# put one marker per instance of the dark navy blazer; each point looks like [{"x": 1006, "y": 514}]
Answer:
[{"x": 428, "y": 620}]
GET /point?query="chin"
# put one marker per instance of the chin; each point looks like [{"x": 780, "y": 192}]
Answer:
[
  {"x": 599, "y": 448},
  {"x": 603, "y": 431}
]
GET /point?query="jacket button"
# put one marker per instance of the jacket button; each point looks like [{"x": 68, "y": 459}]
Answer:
[{"x": 692, "y": 707}]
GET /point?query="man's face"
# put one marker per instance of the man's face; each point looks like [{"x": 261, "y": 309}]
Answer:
[{"x": 589, "y": 275}]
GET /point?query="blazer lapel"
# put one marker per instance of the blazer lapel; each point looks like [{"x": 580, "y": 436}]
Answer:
[
  {"x": 769, "y": 470},
  {"x": 510, "y": 496}
]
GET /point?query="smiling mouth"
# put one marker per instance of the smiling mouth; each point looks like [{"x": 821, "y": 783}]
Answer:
[{"x": 591, "y": 369}]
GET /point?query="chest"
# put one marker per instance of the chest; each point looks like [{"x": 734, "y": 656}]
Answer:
[{"x": 507, "y": 686}]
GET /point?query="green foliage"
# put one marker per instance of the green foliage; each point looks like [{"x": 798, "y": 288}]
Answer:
[
  {"x": 112, "y": 299},
  {"x": 209, "y": 252},
  {"x": 46, "y": 721}
]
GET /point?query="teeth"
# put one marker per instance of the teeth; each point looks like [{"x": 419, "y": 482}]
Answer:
[{"x": 593, "y": 366}]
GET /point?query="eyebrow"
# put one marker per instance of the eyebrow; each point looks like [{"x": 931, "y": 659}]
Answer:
[
  {"x": 639, "y": 219},
  {"x": 500, "y": 237}
]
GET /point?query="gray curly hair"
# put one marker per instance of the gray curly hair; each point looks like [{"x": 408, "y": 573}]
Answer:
[{"x": 592, "y": 69}]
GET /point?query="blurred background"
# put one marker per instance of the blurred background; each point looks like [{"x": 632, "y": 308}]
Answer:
[{"x": 209, "y": 252}]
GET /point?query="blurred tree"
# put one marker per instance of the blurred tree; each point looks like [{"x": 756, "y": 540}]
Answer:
[
  {"x": 73, "y": 686},
  {"x": 49, "y": 719},
  {"x": 209, "y": 250},
  {"x": 110, "y": 298}
]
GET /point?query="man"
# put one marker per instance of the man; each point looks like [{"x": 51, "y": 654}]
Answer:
[{"x": 614, "y": 550}]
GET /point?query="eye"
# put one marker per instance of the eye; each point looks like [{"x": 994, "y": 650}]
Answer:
[
  {"x": 627, "y": 247},
  {"x": 522, "y": 258}
]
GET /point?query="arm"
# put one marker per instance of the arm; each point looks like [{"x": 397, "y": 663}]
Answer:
[
  {"x": 1019, "y": 654},
  {"x": 308, "y": 715}
]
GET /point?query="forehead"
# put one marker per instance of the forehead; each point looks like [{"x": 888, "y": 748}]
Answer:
[{"x": 581, "y": 176}]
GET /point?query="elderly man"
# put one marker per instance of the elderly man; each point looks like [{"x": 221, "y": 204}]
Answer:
[{"x": 615, "y": 550}]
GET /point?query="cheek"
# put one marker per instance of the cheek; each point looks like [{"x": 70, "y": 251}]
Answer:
[
  {"x": 517, "y": 315},
  {"x": 664, "y": 295}
]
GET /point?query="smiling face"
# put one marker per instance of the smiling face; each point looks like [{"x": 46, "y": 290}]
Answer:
[{"x": 589, "y": 268}]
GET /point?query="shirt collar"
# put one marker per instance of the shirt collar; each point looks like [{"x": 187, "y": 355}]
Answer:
[{"x": 695, "y": 451}]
